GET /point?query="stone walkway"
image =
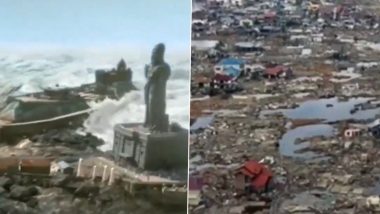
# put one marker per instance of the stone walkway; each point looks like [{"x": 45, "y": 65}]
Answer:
[{"x": 100, "y": 162}]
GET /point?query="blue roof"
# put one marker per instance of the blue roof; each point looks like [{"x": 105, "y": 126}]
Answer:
[
  {"x": 232, "y": 71},
  {"x": 231, "y": 61}
]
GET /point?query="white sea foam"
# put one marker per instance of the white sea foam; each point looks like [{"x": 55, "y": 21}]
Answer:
[{"x": 34, "y": 71}]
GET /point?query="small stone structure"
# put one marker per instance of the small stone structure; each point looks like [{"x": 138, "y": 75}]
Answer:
[
  {"x": 115, "y": 81},
  {"x": 153, "y": 145}
]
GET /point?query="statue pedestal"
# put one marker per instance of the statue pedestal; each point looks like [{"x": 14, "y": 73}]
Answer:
[
  {"x": 150, "y": 151},
  {"x": 164, "y": 123}
]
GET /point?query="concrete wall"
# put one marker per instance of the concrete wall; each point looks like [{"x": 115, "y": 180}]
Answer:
[
  {"x": 123, "y": 145},
  {"x": 151, "y": 151},
  {"x": 18, "y": 130},
  {"x": 30, "y": 111},
  {"x": 169, "y": 150}
]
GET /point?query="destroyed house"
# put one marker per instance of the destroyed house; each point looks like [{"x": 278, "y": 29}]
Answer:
[
  {"x": 231, "y": 67},
  {"x": 221, "y": 79},
  {"x": 195, "y": 188},
  {"x": 268, "y": 29},
  {"x": 195, "y": 183},
  {"x": 226, "y": 83},
  {"x": 375, "y": 129},
  {"x": 248, "y": 47},
  {"x": 352, "y": 132},
  {"x": 277, "y": 71},
  {"x": 270, "y": 17},
  {"x": 246, "y": 22},
  {"x": 227, "y": 3},
  {"x": 252, "y": 177},
  {"x": 200, "y": 81},
  {"x": 200, "y": 14},
  {"x": 253, "y": 71},
  {"x": 215, "y": 3},
  {"x": 199, "y": 25}
]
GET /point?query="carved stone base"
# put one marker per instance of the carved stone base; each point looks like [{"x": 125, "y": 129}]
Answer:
[{"x": 150, "y": 151}]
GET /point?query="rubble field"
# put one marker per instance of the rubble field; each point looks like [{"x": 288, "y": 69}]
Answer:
[{"x": 285, "y": 107}]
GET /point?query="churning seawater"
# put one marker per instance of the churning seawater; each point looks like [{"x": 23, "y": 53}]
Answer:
[{"x": 32, "y": 72}]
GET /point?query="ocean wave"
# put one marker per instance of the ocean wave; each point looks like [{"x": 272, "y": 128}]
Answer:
[
  {"x": 131, "y": 109},
  {"x": 21, "y": 74}
]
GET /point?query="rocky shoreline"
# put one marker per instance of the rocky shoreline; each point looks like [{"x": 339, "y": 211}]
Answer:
[
  {"x": 62, "y": 193},
  {"x": 43, "y": 143}
]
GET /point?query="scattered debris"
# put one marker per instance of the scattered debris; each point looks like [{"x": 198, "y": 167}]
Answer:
[{"x": 307, "y": 108}]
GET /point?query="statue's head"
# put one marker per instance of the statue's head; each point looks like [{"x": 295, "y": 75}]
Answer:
[{"x": 158, "y": 54}]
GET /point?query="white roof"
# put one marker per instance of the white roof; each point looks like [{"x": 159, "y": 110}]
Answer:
[{"x": 204, "y": 44}]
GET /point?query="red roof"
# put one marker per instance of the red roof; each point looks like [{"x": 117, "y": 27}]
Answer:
[
  {"x": 275, "y": 70},
  {"x": 261, "y": 181},
  {"x": 258, "y": 173},
  {"x": 221, "y": 77},
  {"x": 270, "y": 14},
  {"x": 252, "y": 168},
  {"x": 195, "y": 183},
  {"x": 201, "y": 79}
]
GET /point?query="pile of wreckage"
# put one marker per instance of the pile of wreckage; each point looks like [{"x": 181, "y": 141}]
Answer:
[{"x": 308, "y": 107}]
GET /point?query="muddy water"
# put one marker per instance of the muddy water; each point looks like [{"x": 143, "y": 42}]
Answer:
[
  {"x": 289, "y": 148},
  {"x": 331, "y": 110},
  {"x": 375, "y": 190},
  {"x": 319, "y": 201}
]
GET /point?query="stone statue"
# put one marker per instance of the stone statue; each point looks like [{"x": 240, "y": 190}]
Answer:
[{"x": 157, "y": 74}]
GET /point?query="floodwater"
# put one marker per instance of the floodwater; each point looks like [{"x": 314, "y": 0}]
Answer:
[
  {"x": 375, "y": 190},
  {"x": 320, "y": 201},
  {"x": 331, "y": 110},
  {"x": 288, "y": 146},
  {"x": 202, "y": 123}
]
